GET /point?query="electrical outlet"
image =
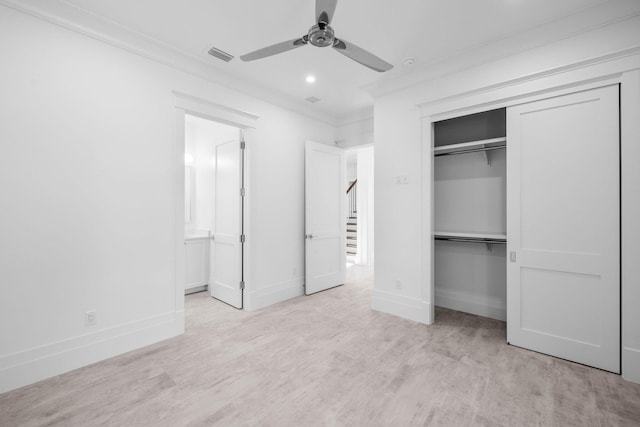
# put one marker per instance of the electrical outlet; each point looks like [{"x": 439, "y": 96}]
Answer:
[
  {"x": 90, "y": 318},
  {"x": 294, "y": 272},
  {"x": 398, "y": 284}
]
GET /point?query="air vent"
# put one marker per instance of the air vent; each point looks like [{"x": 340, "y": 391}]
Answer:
[
  {"x": 312, "y": 99},
  {"x": 220, "y": 54}
]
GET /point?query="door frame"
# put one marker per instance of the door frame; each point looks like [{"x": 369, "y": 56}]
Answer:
[
  {"x": 247, "y": 123},
  {"x": 623, "y": 70},
  {"x": 428, "y": 288}
]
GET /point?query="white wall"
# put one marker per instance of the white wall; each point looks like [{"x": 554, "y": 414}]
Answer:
[
  {"x": 398, "y": 210},
  {"x": 201, "y": 136},
  {"x": 355, "y": 133},
  {"x": 88, "y": 170},
  {"x": 365, "y": 202},
  {"x": 630, "y": 111},
  {"x": 189, "y": 176},
  {"x": 276, "y": 189},
  {"x": 403, "y": 212},
  {"x": 352, "y": 164},
  {"x": 203, "y": 173}
]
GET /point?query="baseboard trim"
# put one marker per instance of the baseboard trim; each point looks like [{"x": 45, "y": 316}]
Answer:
[
  {"x": 37, "y": 364},
  {"x": 402, "y": 306},
  {"x": 470, "y": 304},
  {"x": 264, "y": 297},
  {"x": 195, "y": 289},
  {"x": 631, "y": 364}
]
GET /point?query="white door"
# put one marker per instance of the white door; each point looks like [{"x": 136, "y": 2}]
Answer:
[
  {"x": 226, "y": 279},
  {"x": 325, "y": 217},
  {"x": 563, "y": 227}
]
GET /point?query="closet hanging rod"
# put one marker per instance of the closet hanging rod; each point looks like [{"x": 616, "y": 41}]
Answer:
[
  {"x": 461, "y": 239},
  {"x": 471, "y": 150}
]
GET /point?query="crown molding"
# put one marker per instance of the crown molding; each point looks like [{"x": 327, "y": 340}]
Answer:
[
  {"x": 581, "y": 22},
  {"x": 627, "y": 59},
  {"x": 363, "y": 116},
  {"x": 81, "y": 21}
]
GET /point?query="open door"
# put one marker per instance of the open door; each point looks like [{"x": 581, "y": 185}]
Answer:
[
  {"x": 563, "y": 227},
  {"x": 325, "y": 217},
  {"x": 226, "y": 281}
]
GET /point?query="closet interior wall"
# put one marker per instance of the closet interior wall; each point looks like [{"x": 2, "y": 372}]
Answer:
[{"x": 470, "y": 200}]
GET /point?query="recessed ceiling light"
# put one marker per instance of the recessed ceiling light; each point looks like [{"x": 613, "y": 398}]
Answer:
[
  {"x": 408, "y": 61},
  {"x": 310, "y": 78}
]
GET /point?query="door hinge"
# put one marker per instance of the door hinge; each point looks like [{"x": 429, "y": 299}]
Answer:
[
  {"x": 242, "y": 286},
  {"x": 242, "y": 192},
  {"x": 243, "y": 145},
  {"x": 512, "y": 256},
  {"x": 242, "y": 238}
]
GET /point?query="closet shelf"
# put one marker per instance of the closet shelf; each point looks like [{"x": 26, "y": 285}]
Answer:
[
  {"x": 471, "y": 147},
  {"x": 487, "y": 238}
]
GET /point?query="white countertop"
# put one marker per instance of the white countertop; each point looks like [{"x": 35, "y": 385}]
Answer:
[{"x": 197, "y": 234}]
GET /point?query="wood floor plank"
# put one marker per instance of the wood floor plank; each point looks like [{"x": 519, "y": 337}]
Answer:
[{"x": 327, "y": 359}]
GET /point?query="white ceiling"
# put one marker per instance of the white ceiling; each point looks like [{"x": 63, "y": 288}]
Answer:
[{"x": 428, "y": 30}]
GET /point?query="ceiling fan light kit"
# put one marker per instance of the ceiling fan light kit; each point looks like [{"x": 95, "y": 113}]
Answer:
[{"x": 322, "y": 35}]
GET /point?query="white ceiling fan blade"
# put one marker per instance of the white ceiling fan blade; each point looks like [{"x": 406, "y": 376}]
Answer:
[
  {"x": 361, "y": 56},
  {"x": 274, "y": 49},
  {"x": 325, "y": 10}
]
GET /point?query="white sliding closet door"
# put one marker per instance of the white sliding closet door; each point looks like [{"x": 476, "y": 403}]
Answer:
[{"x": 563, "y": 227}]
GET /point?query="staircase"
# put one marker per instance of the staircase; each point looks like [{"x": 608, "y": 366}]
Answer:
[
  {"x": 352, "y": 220},
  {"x": 352, "y": 236}
]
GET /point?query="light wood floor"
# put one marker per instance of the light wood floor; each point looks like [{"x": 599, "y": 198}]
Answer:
[{"x": 328, "y": 359}]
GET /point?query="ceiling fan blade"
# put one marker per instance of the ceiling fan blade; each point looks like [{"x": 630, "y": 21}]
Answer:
[
  {"x": 324, "y": 10},
  {"x": 274, "y": 49},
  {"x": 361, "y": 56}
]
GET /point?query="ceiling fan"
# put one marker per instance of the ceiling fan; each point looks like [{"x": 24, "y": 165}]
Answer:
[{"x": 322, "y": 35}]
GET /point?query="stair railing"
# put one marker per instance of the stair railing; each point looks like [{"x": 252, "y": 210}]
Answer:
[{"x": 352, "y": 193}]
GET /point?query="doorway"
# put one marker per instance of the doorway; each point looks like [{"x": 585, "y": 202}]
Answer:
[
  {"x": 338, "y": 217},
  {"x": 360, "y": 208},
  {"x": 214, "y": 189}
]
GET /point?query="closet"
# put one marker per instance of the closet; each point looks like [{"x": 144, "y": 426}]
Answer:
[
  {"x": 527, "y": 222},
  {"x": 470, "y": 213}
]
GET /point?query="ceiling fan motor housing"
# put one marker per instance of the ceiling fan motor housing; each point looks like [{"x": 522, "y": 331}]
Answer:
[{"x": 321, "y": 35}]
